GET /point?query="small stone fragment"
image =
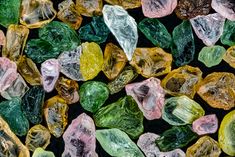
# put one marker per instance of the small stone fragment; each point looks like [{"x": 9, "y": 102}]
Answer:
[
  {"x": 126, "y": 4},
  {"x": 173, "y": 153},
  {"x": 89, "y": 8},
  {"x": 208, "y": 28},
  {"x": 39, "y": 152},
  {"x": 36, "y": 13},
  {"x": 38, "y": 136},
  {"x": 117, "y": 143},
  {"x": 123, "y": 27},
  {"x": 204, "y": 147},
  {"x": 151, "y": 62},
  {"x": 129, "y": 118},
  {"x": 229, "y": 56},
  {"x": 158, "y": 8},
  {"x": 217, "y": 89},
  {"x": 206, "y": 125},
  {"x": 50, "y": 70},
  {"x": 79, "y": 138},
  {"x": 228, "y": 36},
  {"x": 225, "y": 8},
  {"x": 149, "y": 95}
]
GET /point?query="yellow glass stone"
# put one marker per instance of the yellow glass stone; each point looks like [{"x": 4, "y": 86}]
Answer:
[
  {"x": 151, "y": 62},
  {"x": 126, "y": 4},
  {"x": 229, "y": 56},
  {"x": 89, "y": 7}
]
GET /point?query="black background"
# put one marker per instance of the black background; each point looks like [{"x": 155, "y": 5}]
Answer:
[{"x": 155, "y": 126}]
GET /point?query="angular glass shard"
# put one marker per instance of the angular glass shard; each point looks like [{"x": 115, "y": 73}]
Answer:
[
  {"x": 225, "y": 8},
  {"x": 89, "y": 7},
  {"x": 228, "y": 37},
  {"x": 229, "y": 56}
]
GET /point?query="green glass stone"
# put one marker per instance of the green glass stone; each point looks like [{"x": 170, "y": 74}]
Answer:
[
  {"x": 228, "y": 36},
  {"x": 96, "y": 31},
  {"x": 123, "y": 114},
  {"x": 117, "y": 143},
  {"x": 183, "y": 47},
  {"x": 39, "y": 152},
  {"x": 32, "y": 104},
  {"x": 211, "y": 56},
  {"x": 11, "y": 112},
  {"x": 93, "y": 95},
  {"x": 156, "y": 32},
  {"x": 176, "y": 137}
]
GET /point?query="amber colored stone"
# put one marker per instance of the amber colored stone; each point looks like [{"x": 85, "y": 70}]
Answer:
[
  {"x": 126, "y": 4},
  {"x": 15, "y": 41},
  {"x": 114, "y": 61},
  {"x": 217, "y": 89},
  {"x": 89, "y": 7},
  {"x": 151, "y": 62},
  {"x": 29, "y": 71},
  {"x": 229, "y": 56}
]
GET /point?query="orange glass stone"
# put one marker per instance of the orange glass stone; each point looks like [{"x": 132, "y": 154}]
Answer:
[
  {"x": 89, "y": 7},
  {"x": 229, "y": 56},
  {"x": 126, "y": 4}
]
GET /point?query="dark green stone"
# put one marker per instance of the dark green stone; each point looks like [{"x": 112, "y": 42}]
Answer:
[
  {"x": 228, "y": 37},
  {"x": 32, "y": 104},
  {"x": 124, "y": 115},
  {"x": 156, "y": 32}
]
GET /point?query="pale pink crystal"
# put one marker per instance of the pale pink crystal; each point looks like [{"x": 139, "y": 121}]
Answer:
[
  {"x": 173, "y": 153},
  {"x": 225, "y": 8}
]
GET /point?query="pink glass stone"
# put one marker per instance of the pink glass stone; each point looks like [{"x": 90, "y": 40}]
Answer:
[
  {"x": 206, "y": 125},
  {"x": 225, "y": 8},
  {"x": 158, "y": 8},
  {"x": 50, "y": 70},
  {"x": 149, "y": 95},
  {"x": 173, "y": 153},
  {"x": 80, "y": 138},
  {"x": 8, "y": 73}
]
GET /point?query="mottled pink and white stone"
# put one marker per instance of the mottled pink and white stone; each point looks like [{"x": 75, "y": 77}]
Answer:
[
  {"x": 79, "y": 138},
  {"x": 225, "y": 7},
  {"x": 158, "y": 8},
  {"x": 206, "y": 125},
  {"x": 173, "y": 153},
  {"x": 50, "y": 70},
  {"x": 149, "y": 95}
]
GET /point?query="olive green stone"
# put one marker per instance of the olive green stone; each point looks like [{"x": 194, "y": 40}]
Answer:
[
  {"x": 228, "y": 36},
  {"x": 39, "y": 152}
]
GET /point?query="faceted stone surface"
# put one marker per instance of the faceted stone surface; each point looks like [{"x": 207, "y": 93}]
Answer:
[
  {"x": 225, "y": 8},
  {"x": 217, "y": 89},
  {"x": 117, "y": 143},
  {"x": 187, "y": 9},
  {"x": 156, "y": 32},
  {"x": 123, "y": 27},
  {"x": 91, "y": 60},
  {"x": 151, "y": 62},
  {"x": 39, "y": 152},
  {"x": 229, "y": 56},
  {"x": 38, "y": 136},
  {"x": 204, "y": 147},
  {"x": 29, "y": 71},
  {"x": 129, "y": 118},
  {"x": 205, "y": 125},
  {"x": 32, "y": 104},
  {"x": 89, "y": 8},
  {"x": 183, "y": 47},
  {"x": 93, "y": 95},
  {"x": 181, "y": 110},
  {"x": 11, "y": 112},
  {"x": 176, "y": 137},
  {"x": 37, "y": 13},
  {"x": 228, "y": 36},
  {"x": 149, "y": 95},
  {"x": 226, "y": 134},
  {"x": 67, "y": 89},
  {"x": 114, "y": 61},
  {"x": 126, "y": 4},
  {"x": 182, "y": 81},
  {"x": 56, "y": 115},
  {"x": 79, "y": 137},
  {"x": 15, "y": 41},
  {"x": 11, "y": 146},
  {"x": 69, "y": 14},
  {"x": 211, "y": 56},
  {"x": 50, "y": 70},
  {"x": 208, "y": 28},
  {"x": 158, "y": 8},
  {"x": 96, "y": 31},
  {"x": 126, "y": 76}
]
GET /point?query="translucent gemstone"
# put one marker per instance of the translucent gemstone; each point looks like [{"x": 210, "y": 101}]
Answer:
[
  {"x": 89, "y": 8},
  {"x": 228, "y": 36},
  {"x": 2, "y": 40},
  {"x": 39, "y": 152},
  {"x": 173, "y": 153},
  {"x": 229, "y": 56},
  {"x": 126, "y": 4},
  {"x": 225, "y": 8}
]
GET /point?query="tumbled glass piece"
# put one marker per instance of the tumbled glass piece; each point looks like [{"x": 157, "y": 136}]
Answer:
[
  {"x": 36, "y": 13},
  {"x": 91, "y": 60},
  {"x": 129, "y": 118},
  {"x": 228, "y": 36},
  {"x": 151, "y": 62},
  {"x": 56, "y": 115},
  {"x": 211, "y": 56},
  {"x": 229, "y": 56},
  {"x": 225, "y": 8},
  {"x": 2, "y": 40},
  {"x": 181, "y": 111},
  {"x": 79, "y": 138},
  {"x": 126, "y": 4},
  {"x": 89, "y": 7},
  {"x": 123, "y": 27},
  {"x": 217, "y": 89},
  {"x": 38, "y": 136},
  {"x": 182, "y": 81},
  {"x": 69, "y": 14},
  {"x": 117, "y": 143},
  {"x": 39, "y": 152},
  {"x": 173, "y": 153},
  {"x": 183, "y": 47},
  {"x": 208, "y": 28},
  {"x": 15, "y": 41},
  {"x": 204, "y": 147},
  {"x": 149, "y": 95},
  {"x": 114, "y": 61}
]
